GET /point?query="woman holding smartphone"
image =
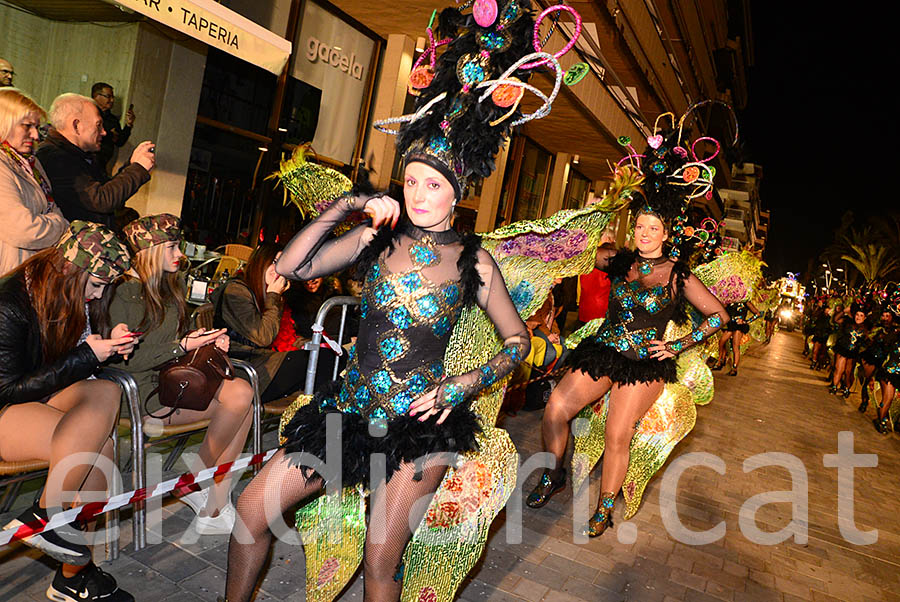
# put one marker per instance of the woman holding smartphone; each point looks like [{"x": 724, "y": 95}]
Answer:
[{"x": 151, "y": 299}]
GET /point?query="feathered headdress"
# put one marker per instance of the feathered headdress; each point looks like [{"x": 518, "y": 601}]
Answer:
[
  {"x": 674, "y": 173},
  {"x": 468, "y": 97}
]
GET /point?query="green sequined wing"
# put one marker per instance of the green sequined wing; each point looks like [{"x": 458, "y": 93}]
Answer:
[{"x": 309, "y": 186}]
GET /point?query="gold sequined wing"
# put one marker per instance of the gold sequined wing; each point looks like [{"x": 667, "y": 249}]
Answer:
[
  {"x": 333, "y": 530},
  {"x": 309, "y": 186}
]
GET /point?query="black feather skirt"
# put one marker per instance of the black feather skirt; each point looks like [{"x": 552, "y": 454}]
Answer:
[
  {"x": 598, "y": 360},
  {"x": 735, "y": 327},
  {"x": 852, "y": 354},
  {"x": 885, "y": 376},
  {"x": 404, "y": 440}
]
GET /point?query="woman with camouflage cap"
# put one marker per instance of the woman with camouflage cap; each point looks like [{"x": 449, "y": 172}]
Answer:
[
  {"x": 51, "y": 406},
  {"x": 151, "y": 300}
]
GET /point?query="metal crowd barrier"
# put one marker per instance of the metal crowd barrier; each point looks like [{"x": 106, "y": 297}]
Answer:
[{"x": 315, "y": 344}]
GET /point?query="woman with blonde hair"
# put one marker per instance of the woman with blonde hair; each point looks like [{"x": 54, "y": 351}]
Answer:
[
  {"x": 31, "y": 220},
  {"x": 151, "y": 299}
]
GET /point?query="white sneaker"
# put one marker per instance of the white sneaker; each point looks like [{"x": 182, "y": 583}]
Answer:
[
  {"x": 196, "y": 500},
  {"x": 222, "y": 524}
]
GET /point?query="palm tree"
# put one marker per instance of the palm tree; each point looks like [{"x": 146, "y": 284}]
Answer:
[{"x": 873, "y": 260}]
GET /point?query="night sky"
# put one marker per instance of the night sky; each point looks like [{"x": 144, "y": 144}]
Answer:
[{"x": 821, "y": 120}]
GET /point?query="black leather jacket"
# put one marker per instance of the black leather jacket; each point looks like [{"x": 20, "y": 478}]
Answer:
[{"x": 24, "y": 376}]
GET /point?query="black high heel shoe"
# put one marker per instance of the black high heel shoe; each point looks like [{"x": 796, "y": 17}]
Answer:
[
  {"x": 845, "y": 392},
  {"x": 733, "y": 371},
  {"x": 864, "y": 396},
  {"x": 882, "y": 425},
  {"x": 546, "y": 488}
]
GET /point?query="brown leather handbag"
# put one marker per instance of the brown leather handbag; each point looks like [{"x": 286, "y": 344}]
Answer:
[{"x": 191, "y": 381}]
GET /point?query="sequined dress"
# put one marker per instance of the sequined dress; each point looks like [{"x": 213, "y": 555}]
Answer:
[
  {"x": 738, "y": 311},
  {"x": 644, "y": 295},
  {"x": 851, "y": 338},
  {"x": 889, "y": 371},
  {"x": 415, "y": 284}
]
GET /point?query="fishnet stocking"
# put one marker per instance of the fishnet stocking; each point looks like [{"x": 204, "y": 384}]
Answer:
[{"x": 280, "y": 485}]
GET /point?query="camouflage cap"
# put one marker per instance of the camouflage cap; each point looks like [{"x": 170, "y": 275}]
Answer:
[
  {"x": 152, "y": 230},
  {"x": 95, "y": 249}
]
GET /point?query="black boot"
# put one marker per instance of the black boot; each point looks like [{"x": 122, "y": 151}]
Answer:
[
  {"x": 882, "y": 425},
  {"x": 552, "y": 481},
  {"x": 602, "y": 519},
  {"x": 864, "y": 396}
]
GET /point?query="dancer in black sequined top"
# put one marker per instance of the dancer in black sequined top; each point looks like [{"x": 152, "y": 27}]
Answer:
[
  {"x": 395, "y": 404},
  {"x": 627, "y": 357}
]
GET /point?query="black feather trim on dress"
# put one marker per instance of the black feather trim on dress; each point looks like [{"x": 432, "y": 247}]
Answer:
[
  {"x": 597, "y": 360},
  {"x": 620, "y": 264},
  {"x": 733, "y": 326},
  {"x": 840, "y": 349},
  {"x": 406, "y": 439},
  {"x": 682, "y": 272},
  {"x": 470, "y": 279},
  {"x": 885, "y": 376}
]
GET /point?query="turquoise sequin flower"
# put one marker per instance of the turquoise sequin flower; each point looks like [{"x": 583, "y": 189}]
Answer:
[
  {"x": 361, "y": 394},
  {"x": 436, "y": 369},
  {"x": 364, "y": 307},
  {"x": 441, "y": 327},
  {"x": 410, "y": 282},
  {"x": 401, "y": 318},
  {"x": 384, "y": 293},
  {"x": 428, "y": 306},
  {"x": 522, "y": 294},
  {"x": 392, "y": 348},
  {"x": 400, "y": 402},
  {"x": 416, "y": 384},
  {"x": 513, "y": 353},
  {"x": 352, "y": 376},
  {"x": 439, "y": 144},
  {"x": 473, "y": 72},
  {"x": 453, "y": 394},
  {"x": 374, "y": 273},
  {"x": 451, "y": 294},
  {"x": 381, "y": 382},
  {"x": 715, "y": 321},
  {"x": 488, "y": 376},
  {"x": 422, "y": 255}
]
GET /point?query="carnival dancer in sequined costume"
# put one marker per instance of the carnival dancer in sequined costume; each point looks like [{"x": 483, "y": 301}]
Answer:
[
  {"x": 888, "y": 376},
  {"x": 851, "y": 339},
  {"x": 398, "y": 408},
  {"x": 627, "y": 357},
  {"x": 875, "y": 352},
  {"x": 734, "y": 331}
]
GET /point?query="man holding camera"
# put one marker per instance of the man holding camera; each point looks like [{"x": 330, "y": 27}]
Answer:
[{"x": 81, "y": 187}]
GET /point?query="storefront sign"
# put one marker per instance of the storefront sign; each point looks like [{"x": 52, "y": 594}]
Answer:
[
  {"x": 320, "y": 51},
  {"x": 336, "y": 60},
  {"x": 219, "y": 27}
]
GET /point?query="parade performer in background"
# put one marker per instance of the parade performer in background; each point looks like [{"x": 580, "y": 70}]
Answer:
[
  {"x": 821, "y": 327},
  {"x": 426, "y": 290},
  {"x": 875, "y": 352},
  {"x": 888, "y": 376},
  {"x": 738, "y": 326},
  {"x": 628, "y": 358},
  {"x": 851, "y": 338}
]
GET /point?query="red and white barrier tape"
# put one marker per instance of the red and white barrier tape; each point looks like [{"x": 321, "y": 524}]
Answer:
[{"x": 92, "y": 509}]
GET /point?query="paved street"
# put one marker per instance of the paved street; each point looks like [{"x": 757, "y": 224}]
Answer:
[{"x": 776, "y": 404}]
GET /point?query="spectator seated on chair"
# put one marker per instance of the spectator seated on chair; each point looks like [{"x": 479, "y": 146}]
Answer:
[
  {"x": 51, "y": 406},
  {"x": 151, "y": 299},
  {"x": 250, "y": 306}
]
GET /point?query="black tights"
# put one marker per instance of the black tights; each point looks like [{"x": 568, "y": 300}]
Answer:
[{"x": 395, "y": 506}]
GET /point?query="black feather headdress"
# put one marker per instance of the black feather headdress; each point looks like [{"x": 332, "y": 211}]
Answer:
[{"x": 461, "y": 118}]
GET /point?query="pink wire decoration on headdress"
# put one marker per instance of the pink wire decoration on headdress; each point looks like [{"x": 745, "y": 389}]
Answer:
[{"x": 537, "y": 34}]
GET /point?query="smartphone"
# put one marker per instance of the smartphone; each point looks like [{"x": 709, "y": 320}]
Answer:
[{"x": 136, "y": 334}]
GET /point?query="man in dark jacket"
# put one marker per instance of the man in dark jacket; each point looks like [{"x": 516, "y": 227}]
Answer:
[
  {"x": 81, "y": 187},
  {"x": 116, "y": 135}
]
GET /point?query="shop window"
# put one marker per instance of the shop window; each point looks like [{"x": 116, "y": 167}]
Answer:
[
  {"x": 576, "y": 191},
  {"x": 236, "y": 93},
  {"x": 532, "y": 185}
]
